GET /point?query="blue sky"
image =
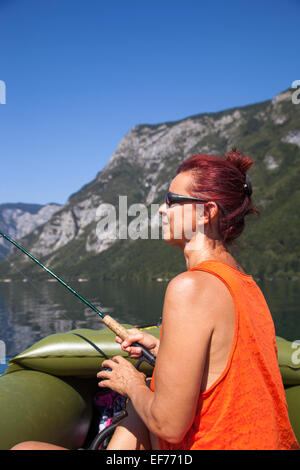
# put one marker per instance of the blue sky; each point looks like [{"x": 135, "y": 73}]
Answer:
[{"x": 80, "y": 74}]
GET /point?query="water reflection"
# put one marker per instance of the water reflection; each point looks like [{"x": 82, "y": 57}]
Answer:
[{"x": 30, "y": 311}]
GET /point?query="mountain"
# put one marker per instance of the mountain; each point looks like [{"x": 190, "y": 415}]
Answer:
[
  {"x": 142, "y": 167},
  {"x": 19, "y": 219}
]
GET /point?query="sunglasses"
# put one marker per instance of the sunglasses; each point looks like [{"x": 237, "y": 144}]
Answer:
[{"x": 172, "y": 198}]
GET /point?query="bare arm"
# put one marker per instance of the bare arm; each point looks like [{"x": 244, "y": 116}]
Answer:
[{"x": 188, "y": 323}]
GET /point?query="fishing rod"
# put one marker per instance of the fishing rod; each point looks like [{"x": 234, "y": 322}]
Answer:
[{"x": 112, "y": 324}]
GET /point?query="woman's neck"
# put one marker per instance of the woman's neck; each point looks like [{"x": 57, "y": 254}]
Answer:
[{"x": 203, "y": 248}]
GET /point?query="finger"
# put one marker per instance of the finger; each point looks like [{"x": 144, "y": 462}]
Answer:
[
  {"x": 119, "y": 360},
  {"x": 131, "y": 331},
  {"x": 104, "y": 384},
  {"x": 104, "y": 374},
  {"x": 131, "y": 353},
  {"x": 132, "y": 339},
  {"x": 134, "y": 351},
  {"x": 108, "y": 363}
]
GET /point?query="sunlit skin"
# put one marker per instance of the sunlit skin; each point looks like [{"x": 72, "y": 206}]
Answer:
[{"x": 198, "y": 331}]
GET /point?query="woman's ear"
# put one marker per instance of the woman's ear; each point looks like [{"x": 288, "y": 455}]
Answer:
[{"x": 210, "y": 212}]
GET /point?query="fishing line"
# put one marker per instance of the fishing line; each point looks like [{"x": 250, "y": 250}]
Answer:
[{"x": 99, "y": 350}]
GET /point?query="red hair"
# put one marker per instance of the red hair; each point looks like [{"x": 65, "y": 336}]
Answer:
[{"x": 223, "y": 180}]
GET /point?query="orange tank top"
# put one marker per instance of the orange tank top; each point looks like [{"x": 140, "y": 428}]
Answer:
[{"x": 245, "y": 408}]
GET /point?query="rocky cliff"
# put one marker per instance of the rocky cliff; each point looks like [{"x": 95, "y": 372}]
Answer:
[
  {"x": 17, "y": 220},
  {"x": 142, "y": 167}
]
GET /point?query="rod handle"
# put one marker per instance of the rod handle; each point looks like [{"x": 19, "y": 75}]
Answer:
[{"x": 115, "y": 326}]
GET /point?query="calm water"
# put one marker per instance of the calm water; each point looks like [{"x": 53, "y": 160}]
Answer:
[{"x": 30, "y": 311}]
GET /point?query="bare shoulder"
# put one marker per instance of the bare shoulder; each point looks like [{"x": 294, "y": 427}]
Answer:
[
  {"x": 199, "y": 292},
  {"x": 190, "y": 282}
]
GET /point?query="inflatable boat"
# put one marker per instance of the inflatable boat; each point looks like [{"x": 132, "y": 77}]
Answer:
[{"x": 47, "y": 393}]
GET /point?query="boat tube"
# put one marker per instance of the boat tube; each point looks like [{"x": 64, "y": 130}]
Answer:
[{"x": 46, "y": 394}]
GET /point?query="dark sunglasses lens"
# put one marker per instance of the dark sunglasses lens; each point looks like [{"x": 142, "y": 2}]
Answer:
[{"x": 167, "y": 199}]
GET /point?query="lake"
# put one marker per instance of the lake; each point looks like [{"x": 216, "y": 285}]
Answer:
[{"x": 31, "y": 310}]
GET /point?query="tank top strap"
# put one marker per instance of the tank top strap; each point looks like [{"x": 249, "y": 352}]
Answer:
[
  {"x": 231, "y": 276},
  {"x": 218, "y": 266}
]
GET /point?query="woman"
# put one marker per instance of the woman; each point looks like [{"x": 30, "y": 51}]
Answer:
[{"x": 217, "y": 383}]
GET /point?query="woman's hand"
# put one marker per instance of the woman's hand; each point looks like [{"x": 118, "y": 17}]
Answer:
[
  {"x": 122, "y": 377},
  {"x": 137, "y": 336}
]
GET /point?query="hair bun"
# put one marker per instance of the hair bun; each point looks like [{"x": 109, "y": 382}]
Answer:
[{"x": 241, "y": 162}]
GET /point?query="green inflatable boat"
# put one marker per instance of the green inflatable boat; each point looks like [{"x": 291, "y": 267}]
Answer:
[{"x": 46, "y": 394}]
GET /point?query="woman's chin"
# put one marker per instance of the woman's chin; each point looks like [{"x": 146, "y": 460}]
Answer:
[{"x": 171, "y": 240}]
